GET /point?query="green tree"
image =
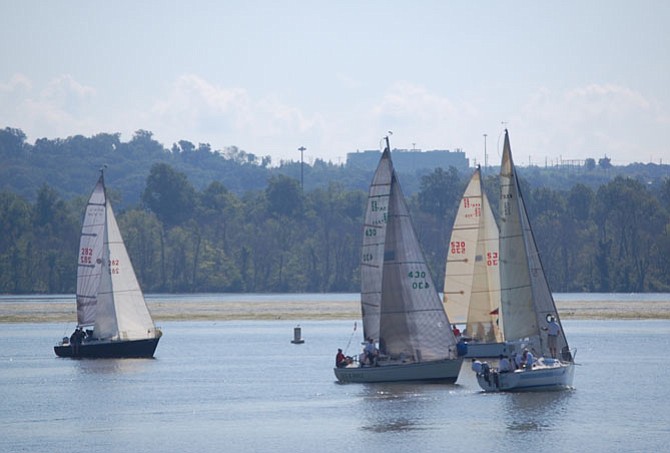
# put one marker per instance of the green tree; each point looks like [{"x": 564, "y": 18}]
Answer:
[
  {"x": 15, "y": 233},
  {"x": 141, "y": 231},
  {"x": 440, "y": 192},
  {"x": 12, "y": 141},
  {"x": 284, "y": 196},
  {"x": 631, "y": 220},
  {"x": 169, "y": 195}
]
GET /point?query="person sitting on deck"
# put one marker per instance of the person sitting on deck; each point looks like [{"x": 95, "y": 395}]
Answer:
[
  {"x": 476, "y": 366},
  {"x": 341, "y": 361},
  {"x": 75, "y": 340},
  {"x": 527, "y": 359}
]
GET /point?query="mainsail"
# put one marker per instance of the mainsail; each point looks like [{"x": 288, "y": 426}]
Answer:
[
  {"x": 472, "y": 280},
  {"x": 372, "y": 253},
  {"x": 526, "y": 297},
  {"x": 89, "y": 265}
]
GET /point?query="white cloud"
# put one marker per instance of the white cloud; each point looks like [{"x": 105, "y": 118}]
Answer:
[
  {"x": 429, "y": 119},
  {"x": 585, "y": 121},
  {"x": 589, "y": 121},
  {"x": 227, "y": 116},
  {"x": 62, "y": 108},
  {"x": 17, "y": 83}
]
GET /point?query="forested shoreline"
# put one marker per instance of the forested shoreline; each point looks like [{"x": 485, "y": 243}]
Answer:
[{"x": 278, "y": 237}]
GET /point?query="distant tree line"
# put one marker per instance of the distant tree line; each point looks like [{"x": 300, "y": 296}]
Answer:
[
  {"x": 282, "y": 239},
  {"x": 186, "y": 237}
]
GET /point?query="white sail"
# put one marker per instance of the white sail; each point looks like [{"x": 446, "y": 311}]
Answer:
[
  {"x": 89, "y": 264},
  {"x": 526, "y": 297},
  {"x": 109, "y": 297},
  {"x": 122, "y": 312},
  {"x": 472, "y": 281},
  {"x": 372, "y": 253}
]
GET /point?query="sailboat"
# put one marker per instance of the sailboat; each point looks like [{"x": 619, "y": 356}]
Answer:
[
  {"x": 528, "y": 309},
  {"x": 402, "y": 311},
  {"x": 112, "y": 317},
  {"x": 472, "y": 282}
]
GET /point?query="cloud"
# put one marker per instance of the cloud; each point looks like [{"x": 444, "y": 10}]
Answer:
[
  {"x": 546, "y": 124},
  {"x": 228, "y": 116},
  {"x": 61, "y": 108},
  {"x": 431, "y": 120},
  {"x": 18, "y": 83},
  {"x": 590, "y": 121}
]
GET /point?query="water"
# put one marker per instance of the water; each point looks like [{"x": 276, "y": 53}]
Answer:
[{"x": 242, "y": 386}]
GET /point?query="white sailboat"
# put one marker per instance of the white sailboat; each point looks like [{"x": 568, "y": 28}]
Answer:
[
  {"x": 402, "y": 311},
  {"x": 112, "y": 317},
  {"x": 527, "y": 305},
  {"x": 472, "y": 281}
]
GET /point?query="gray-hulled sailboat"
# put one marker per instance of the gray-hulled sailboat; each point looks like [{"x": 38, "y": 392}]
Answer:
[
  {"x": 112, "y": 317},
  {"x": 402, "y": 311}
]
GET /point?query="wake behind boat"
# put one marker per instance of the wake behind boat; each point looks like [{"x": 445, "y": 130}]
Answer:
[
  {"x": 472, "y": 280},
  {"x": 531, "y": 325},
  {"x": 112, "y": 317},
  {"x": 402, "y": 312}
]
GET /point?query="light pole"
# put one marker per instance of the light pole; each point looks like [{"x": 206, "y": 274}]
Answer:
[
  {"x": 486, "y": 160},
  {"x": 302, "y": 149}
]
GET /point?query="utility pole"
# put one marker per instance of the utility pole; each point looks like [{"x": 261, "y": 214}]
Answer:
[
  {"x": 486, "y": 158},
  {"x": 302, "y": 149}
]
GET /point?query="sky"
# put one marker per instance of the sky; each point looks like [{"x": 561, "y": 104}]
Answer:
[{"x": 568, "y": 79}]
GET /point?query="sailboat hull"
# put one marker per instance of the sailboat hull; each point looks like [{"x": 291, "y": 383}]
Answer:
[
  {"x": 487, "y": 350},
  {"x": 541, "y": 378},
  {"x": 439, "y": 371},
  {"x": 110, "y": 349}
]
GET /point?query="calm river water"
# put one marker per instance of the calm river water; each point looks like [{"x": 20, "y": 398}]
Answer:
[{"x": 241, "y": 386}]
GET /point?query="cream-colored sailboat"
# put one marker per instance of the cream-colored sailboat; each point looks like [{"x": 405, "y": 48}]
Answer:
[{"x": 472, "y": 281}]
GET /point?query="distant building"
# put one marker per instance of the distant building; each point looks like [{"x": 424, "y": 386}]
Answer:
[{"x": 409, "y": 161}]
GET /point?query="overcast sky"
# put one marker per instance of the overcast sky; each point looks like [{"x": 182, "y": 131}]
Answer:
[{"x": 569, "y": 79}]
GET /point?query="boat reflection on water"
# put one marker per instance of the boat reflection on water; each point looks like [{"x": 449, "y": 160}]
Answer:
[
  {"x": 399, "y": 407},
  {"x": 535, "y": 411},
  {"x": 113, "y": 366}
]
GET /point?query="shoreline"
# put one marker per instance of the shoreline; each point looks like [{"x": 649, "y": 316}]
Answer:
[{"x": 214, "y": 310}]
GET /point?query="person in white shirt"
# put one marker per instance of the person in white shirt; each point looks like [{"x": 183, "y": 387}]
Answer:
[
  {"x": 371, "y": 352},
  {"x": 504, "y": 365},
  {"x": 553, "y": 330},
  {"x": 476, "y": 366}
]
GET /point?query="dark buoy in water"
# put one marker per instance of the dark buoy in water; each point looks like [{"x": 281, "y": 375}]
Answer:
[{"x": 296, "y": 336}]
